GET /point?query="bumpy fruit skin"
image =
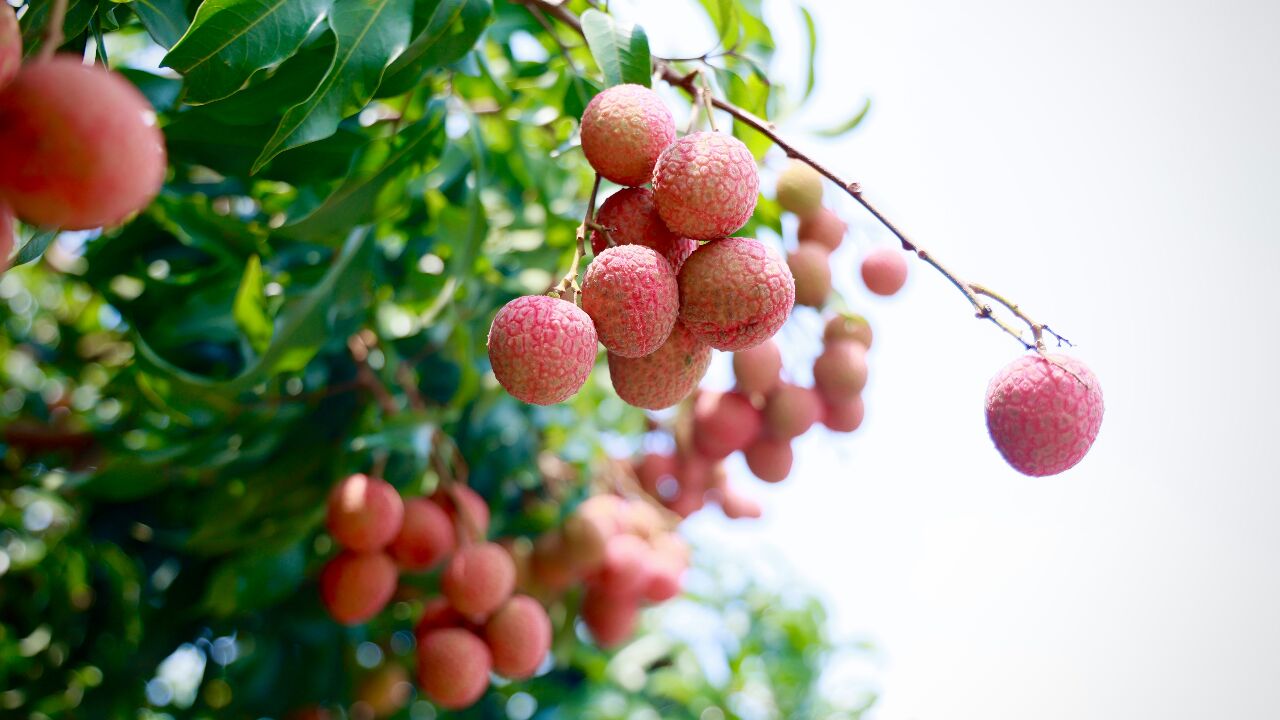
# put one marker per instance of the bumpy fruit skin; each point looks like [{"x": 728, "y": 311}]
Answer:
[
  {"x": 823, "y": 227},
  {"x": 791, "y": 410},
  {"x": 79, "y": 146},
  {"x": 356, "y": 586},
  {"x": 6, "y": 236},
  {"x": 800, "y": 189},
  {"x": 724, "y": 423},
  {"x": 519, "y": 637},
  {"x": 10, "y": 44},
  {"x": 848, "y": 326},
  {"x": 478, "y": 579},
  {"x": 632, "y": 219},
  {"x": 706, "y": 185},
  {"x": 665, "y": 377},
  {"x": 624, "y": 130},
  {"x": 811, "y": 267},
  {"x": 735, "y": 293},
  {"x": 542, "y": 348},
  {"x": 845, "y": 415},
  {"x": 840, "y": 372},
  {"x": 611, "y": 620},
  {"x": 769, "y": 459},
  {"x": 364, "y": 513},
  {"x": 453, "y": 667},
  {"x": 426, "y": 536},
  {"x": 758, "y": 369},
  {"x": 1044, "y": 413},
  {"x": 630, "y": 293},
  {"x": 884, "y": 271}
]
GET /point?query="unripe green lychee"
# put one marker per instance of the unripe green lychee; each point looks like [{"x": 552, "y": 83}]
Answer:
[
  {"x": 630, "y": 293},
  {"x": 453, "y": 667},
  {"x": 519, "y": 637},
  {"x": 758, "y": 369},
  {"x": 624, "y": 130},
  {"x": 800, "y": 189},
  {"x": 364, "y": 513},
  {"x": 478, "y": 579},
  {"x": 632, "y": 219},
  {"x": 810, "y": 265},
  {"x": 840, "y": 372},
  {"x": 847, "y": 326},
  {"x": 724, "y": 423},
  {"x": 355, "y": 586},
  {"x": 706, "y": 185},
  {"x": 10, "y": 44},
  {"x": 542, "y": 348},
  {"x": 884, "y": 271},
  {"x": 823, "y": 227},
  {"x": 791, "y": 410},
  {"x": 1044, "y": 413},
  {"x": 735, "y": 293},
  {"x": 769, "y": 458},
  {"x": 426, "y": 536},
  {"x": 844, "y": 415},
  {"x": 665, "y": 377}
]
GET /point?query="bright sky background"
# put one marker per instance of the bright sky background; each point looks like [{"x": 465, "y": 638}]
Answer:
[{"x": 1113, "y": 165}]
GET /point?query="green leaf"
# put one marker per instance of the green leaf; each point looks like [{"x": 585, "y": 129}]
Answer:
[
  {"x": 231, "y": 39},
  {"x": 578, "y": 92},
  {"x": 751, "y": 93},
  {"x": 250, "y": 306},
  {"x": 811, "y": 29},
  {"x": 165, "y": 20},
  {"x": 724, "y": 15},
  {"x": 847, "y": 125},
  {"x": 35, "y": 247},
  {"x": 449, "y": 28},
  {"x": 369, "y": 33},
  {"x": 621, "y": 51},
  {"x": 33, "y": 22}
]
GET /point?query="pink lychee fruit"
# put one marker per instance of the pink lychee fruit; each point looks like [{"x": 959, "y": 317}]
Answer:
[
  {"x": 706, "y": 185},
  {"x": 519, "y": 637},
  {"x": 823, "y": 227},
  {"x": 735, "y": 293},
  {"x": 624, "y": 130},
  {"x": 1044, "y": 413},
  {"x": 791, "y": 410},
  {"x": 437, "y": 613},
  {"x": 453, "y": 667},
  {"x": 799, "y": 189},
  {"x": 758, "y": 369},
  {"x": 364, "y": 513},
  {"x": 552, "y": 567},
  {"x": 467, "y": 510},
  {"x": 769, "y": 459},
  {"x": 811, "y": 267},
  {"x": 848, "y": 326},
  {"x": 844, "y": 415},
  {"x": 10, "y": 44},
  {"x": 355, "y": 586},
  {"x": 426, "y": 536},
  {"x": 884, "y": 271},
  {"x": 585, "y": 537},
  {"x": 478, "y": 579},
  {"x": 666, "y": 376},
  {"x": 654, "y": 470},
  {"x": 632, "y": 219},
  {"x": 840, "y": 372},
  {"x": 724, "y": 423},
  {"x": 737, "y": 506},
  {"x": 630, "y": 293},
  {"x": 626, "y": 567},
  {"x": 542, "y": 348},
  {"x": 611, "y": 620}
]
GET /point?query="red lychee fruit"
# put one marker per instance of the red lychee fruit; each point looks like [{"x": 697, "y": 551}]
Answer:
[
  {"x": 653, "y": 470},
  {"x": 632, "y": 219},
  {"x": 10, "y": 44},
  {"x": 1044, "y": 413},
  {"x": 769, "y": 459},
  {"x": 791, "y": 410},
  {"x": 364, "y": 513},
  {"x": 426, "y": 536},
  {"x": 799, "y": 189},
  {"x": 663, "y": 578},
  {"x": 840, "y": 372},
  {"x": 625, "y": 569},
  {"x": 478, "y": 579},
  {"x": 724, "y": 423},
  {"x": 758, "y": 369},
  {"x": 79, "y": 146},
  {"x": 519, "y": 637},
  {"x": 437, "y": 613},
  {"x": 453, "y": 667},
  {"x": 811, "y": 267},
  {"x": 356, "y": 586},
  {"x": 552, "y": 568},
  {"x": 847, "y": 326},
  {"x": 844, "y": 415},
  {"x": 823, "y": 227},
  {"x": 472, "y": 517},
  {"x": 585, "y": 537},
  {"x": 884, "y": 271},
  {"x": 666, "y": 376},
  {"x": 611, "y": 620},
  {"x": 624, "y": 130},
  {"x": 735, "y": 293},
  {"x": 630, "y": 293},
  {"x": 706, "y": 185},
  {"x": 542, "y": 348}
]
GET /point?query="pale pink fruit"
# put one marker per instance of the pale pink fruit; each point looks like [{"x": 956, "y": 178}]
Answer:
[
  {"x": 706, "y": 185},
  {"x": 724, "y": 423},
  {"x": 542, "y": 348},
  {"x": 625, "y": 570},
  {"x": 453, "y": 667},
  {"x": 735, "y": 293},
  {"x": 810, "y": 265},
  {"x": 611, "y": 620},
  {"x": 791, "y": 410},
  {"x": 665, "y": 377},
  {"x": 737, "y": 506},
  {"x": 847, "y": 326},
  {"x": 478, "y": 579},
  {"x": 630, "y": 293},
  {"x": 519, "y": 637},
  {"x": 632, "y": 219},
  {"x": 364, "y": 513},
  {"x": 884, "y": 271},
  {"x": 356, "y": 586},
  {"x": 10, "y": 44},
  {"x": 769, "y": 459},
  {"x": 823, "y": 227},
  {"x": 426, "y": 536},
  {"x": 1044, "y": 413},
  {"x": 844, "y": 415},
  {"x": 799, "y": 189},
  {"x": 840, "y": 372},
  {"x": 624, "y": 130},
  {"x": 758, "y": 369}
]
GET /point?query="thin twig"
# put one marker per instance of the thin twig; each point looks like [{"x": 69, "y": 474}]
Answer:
[
  {"x": 53, "y": 36},
  {"x": 569, "y": 285},
  {"x": 541, "y": 17},
  {"x": 368, "y": 378}
]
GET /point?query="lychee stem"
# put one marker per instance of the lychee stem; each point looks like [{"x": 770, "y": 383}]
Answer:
[
  {"x": 53, "y": 37},
  {"x": 570, "y": 282}
]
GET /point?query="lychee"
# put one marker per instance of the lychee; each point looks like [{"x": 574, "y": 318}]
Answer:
[
  {"x": 769, "y": 459},
  {"x": 663, "y": 581},
  {"x": 630, "y": 293},
  {"x": 848, "y": 326},
  {"x": 585, "y": 536},
  {"x": 519, "y": 637},
  {"x": 426, "y": 536},
  {"x": 453, "y": 667},
  {"x": 10, "y": 44},
  {"x": 884, "y": 271},
  {"x": 799, "y": 189},
  {"x": 791, "y": 410},
  {"x": 625, "y": 569},
  {"x": 706, "y": 185},
  {"x": 666, "y": 376},
  {"x": 468, "y": 511},
  {"x": 364, "y": 513},
  {"x": 758, "y": 369},
  {"x": 654, "y": 470},
  {"x": 724, "y": 423},
  {"x": 624, "y": 130},
  {"x": 1044, "y": 413},
  {"x": 823, "y": 227},
  {"x": 737, "y": 506},
  {"x": 610, "y": 619},
  {"x": 552, "y": 568},
  {"x": 840, "y": 372},
  {"x": 844, "y": 415},
  {"x": 478, "y": 579},
  {"x": 356, "y": 586},
  {"x": 542, "y": 348},
  {"x": 735, "y": 293},
  {"x": 632, "y": 219},
  {"x": 810, "y": 265},
  {"x": 437, "y": 613}
]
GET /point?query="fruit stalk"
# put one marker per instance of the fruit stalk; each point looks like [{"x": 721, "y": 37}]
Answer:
[
  {"x": 570, "y": 281},
  {"x": 53, "y": 37}
]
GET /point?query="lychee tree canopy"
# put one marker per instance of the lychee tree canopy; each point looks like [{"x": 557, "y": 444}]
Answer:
[{"x": 178, "y": 394}]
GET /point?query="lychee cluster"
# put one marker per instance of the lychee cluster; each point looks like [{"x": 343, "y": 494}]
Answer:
[{"x": 652, "y": 296}]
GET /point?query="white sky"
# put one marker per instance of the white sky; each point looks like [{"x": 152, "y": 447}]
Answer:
[{"x": 1113, "y": 166}]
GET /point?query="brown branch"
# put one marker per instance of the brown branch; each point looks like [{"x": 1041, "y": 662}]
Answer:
[
  {"x": 569, "y": 287},
  {"x": 369, "y": 379}
]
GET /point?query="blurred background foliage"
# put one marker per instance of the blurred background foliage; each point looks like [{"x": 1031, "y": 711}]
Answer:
[{"x": 177, "y": 395}]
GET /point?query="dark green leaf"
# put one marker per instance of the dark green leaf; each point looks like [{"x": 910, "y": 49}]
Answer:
[
  {"x": 35, "y": 247},
  {"x": 621, "y": 51},
  {"x": 33, "y": 22},
  {"x": 165, "y": 20},
  {"x": 578, "y": 92},
  {"x": 847, "y": 125},
  {"x": 250, "y": 306},
  {"x": 449, "y": 28},
  {"x": 811, "y": 30}
]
